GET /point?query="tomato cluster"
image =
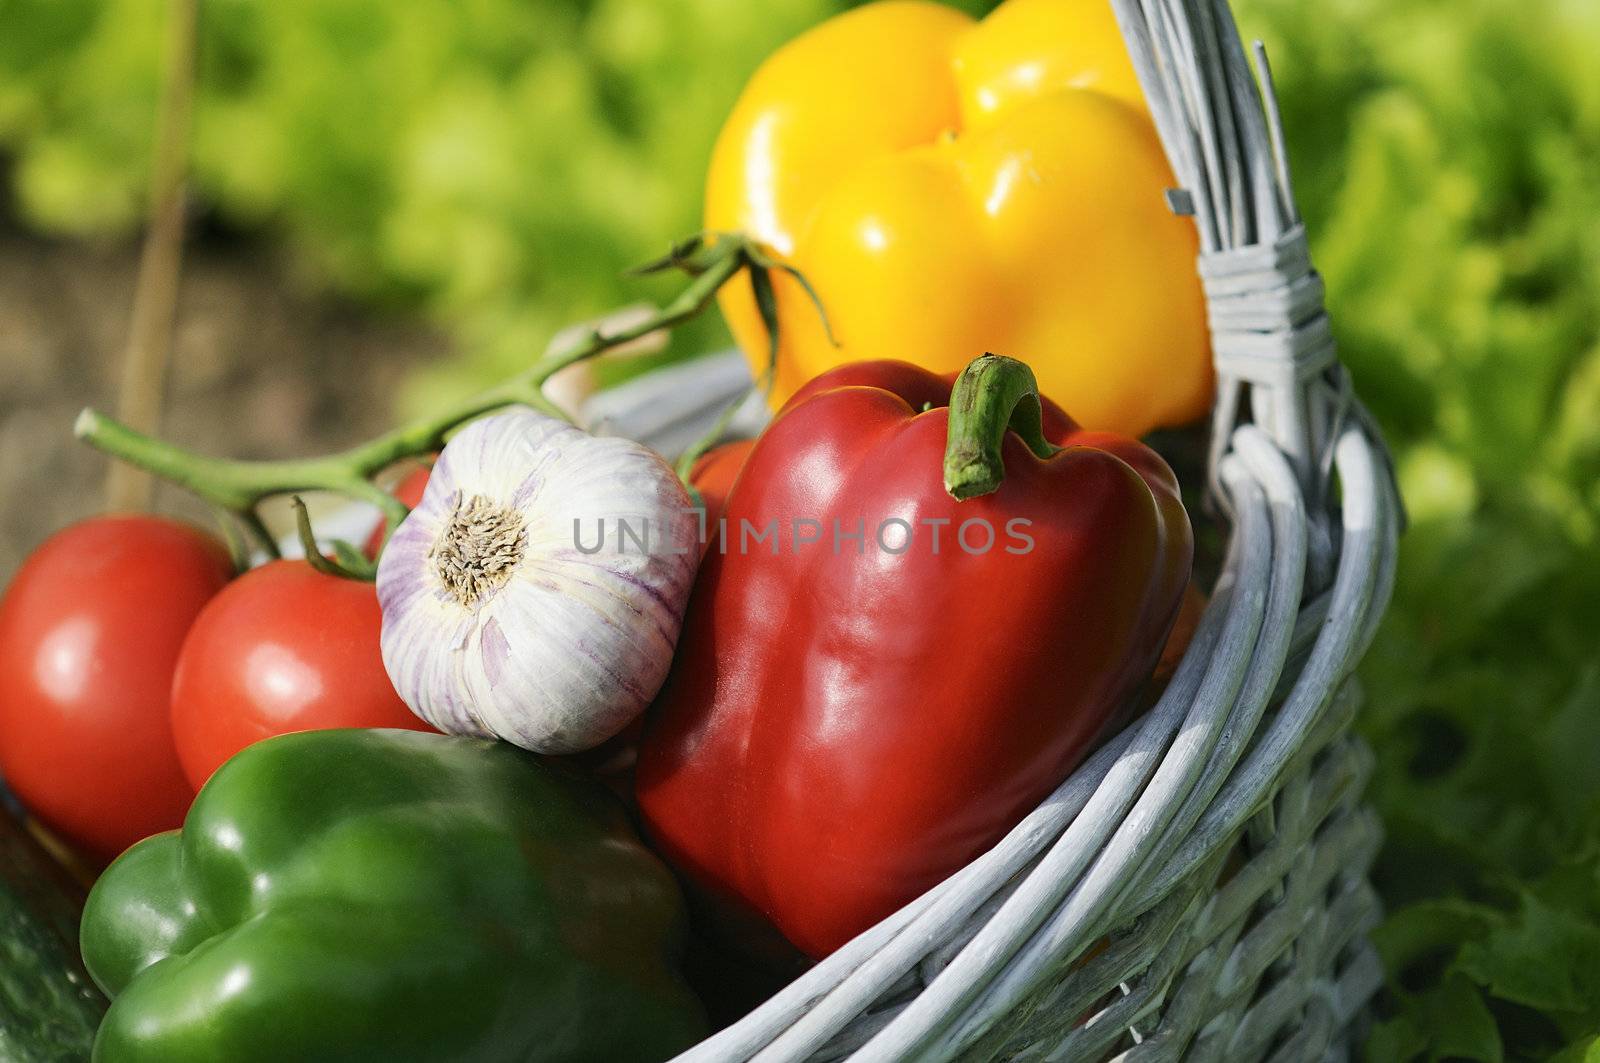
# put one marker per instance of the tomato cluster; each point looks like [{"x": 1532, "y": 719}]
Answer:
[{"x": 132, "y": 665}]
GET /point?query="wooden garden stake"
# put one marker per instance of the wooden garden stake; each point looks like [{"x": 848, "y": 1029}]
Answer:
[{"x": 144, "y": 362}]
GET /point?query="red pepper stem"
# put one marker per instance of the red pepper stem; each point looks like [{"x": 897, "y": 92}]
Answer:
[{"x": 992, "y": 395}]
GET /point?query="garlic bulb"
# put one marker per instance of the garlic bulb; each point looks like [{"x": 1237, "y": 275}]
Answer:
[{"x": 536, "y": 593}]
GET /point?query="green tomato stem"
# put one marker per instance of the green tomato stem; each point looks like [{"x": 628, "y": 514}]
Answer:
[
  {"x": 351, "y": 564},
  {"x": 761, "y": 267},
  {"x": 992, "y": 395},
  {"x": 239, "y": 486}
]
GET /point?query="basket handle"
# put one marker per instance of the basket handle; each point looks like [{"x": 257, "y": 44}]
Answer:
[{"x": 1222, "y": 129}]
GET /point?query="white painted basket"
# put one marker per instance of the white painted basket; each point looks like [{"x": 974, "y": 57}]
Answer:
[{"x": 1197, "y": 889}]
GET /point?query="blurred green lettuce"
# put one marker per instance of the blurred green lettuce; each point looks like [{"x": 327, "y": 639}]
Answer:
[
  {"x": 497, "y": 163},
  {"x": 1448, "y": 157}
]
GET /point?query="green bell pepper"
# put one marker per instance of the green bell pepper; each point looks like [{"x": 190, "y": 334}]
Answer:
[{"x": 390, "y": 895}]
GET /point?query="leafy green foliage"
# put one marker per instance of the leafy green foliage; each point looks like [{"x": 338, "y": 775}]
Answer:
[
  {"x": 499, "y": 162},
  {"x": 1449, "y": 159}
]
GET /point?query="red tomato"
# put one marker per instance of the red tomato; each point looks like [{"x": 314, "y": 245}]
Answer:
[
  {"x": 284, "y": 648},
  {"x": 408, "y": 490},
  {"x": 713, "y": 477},
  {"x": 90, "y": 630}
]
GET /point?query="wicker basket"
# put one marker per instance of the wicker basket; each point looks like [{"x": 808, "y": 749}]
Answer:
[{"x": 1198, "y": 888}]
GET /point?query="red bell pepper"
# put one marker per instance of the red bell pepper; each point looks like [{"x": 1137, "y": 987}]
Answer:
[{"x": 855, "y": 712}]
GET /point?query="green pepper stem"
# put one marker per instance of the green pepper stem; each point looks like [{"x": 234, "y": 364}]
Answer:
[
  {"x": 992, "y": 394},
  {"x": 238, "y": 486}
]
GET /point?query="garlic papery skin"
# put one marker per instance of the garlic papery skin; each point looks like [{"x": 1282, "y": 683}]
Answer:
[{"x": 496, "y": 624}]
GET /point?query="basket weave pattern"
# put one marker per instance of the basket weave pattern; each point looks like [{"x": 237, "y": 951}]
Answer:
[{"x": 1197, "y": 889}]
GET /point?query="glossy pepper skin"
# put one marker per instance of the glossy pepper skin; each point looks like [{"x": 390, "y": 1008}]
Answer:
[
  {"x": 951, "y": 187},
  {"x": 841, "y": 731},
  {"x": 389, "y": 895}
]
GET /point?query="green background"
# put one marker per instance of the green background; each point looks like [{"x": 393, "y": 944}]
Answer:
[{"x": 494, "y": 165}]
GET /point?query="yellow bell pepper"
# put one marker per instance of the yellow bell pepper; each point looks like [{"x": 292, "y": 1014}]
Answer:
[{"x": 951, "y": 187}]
